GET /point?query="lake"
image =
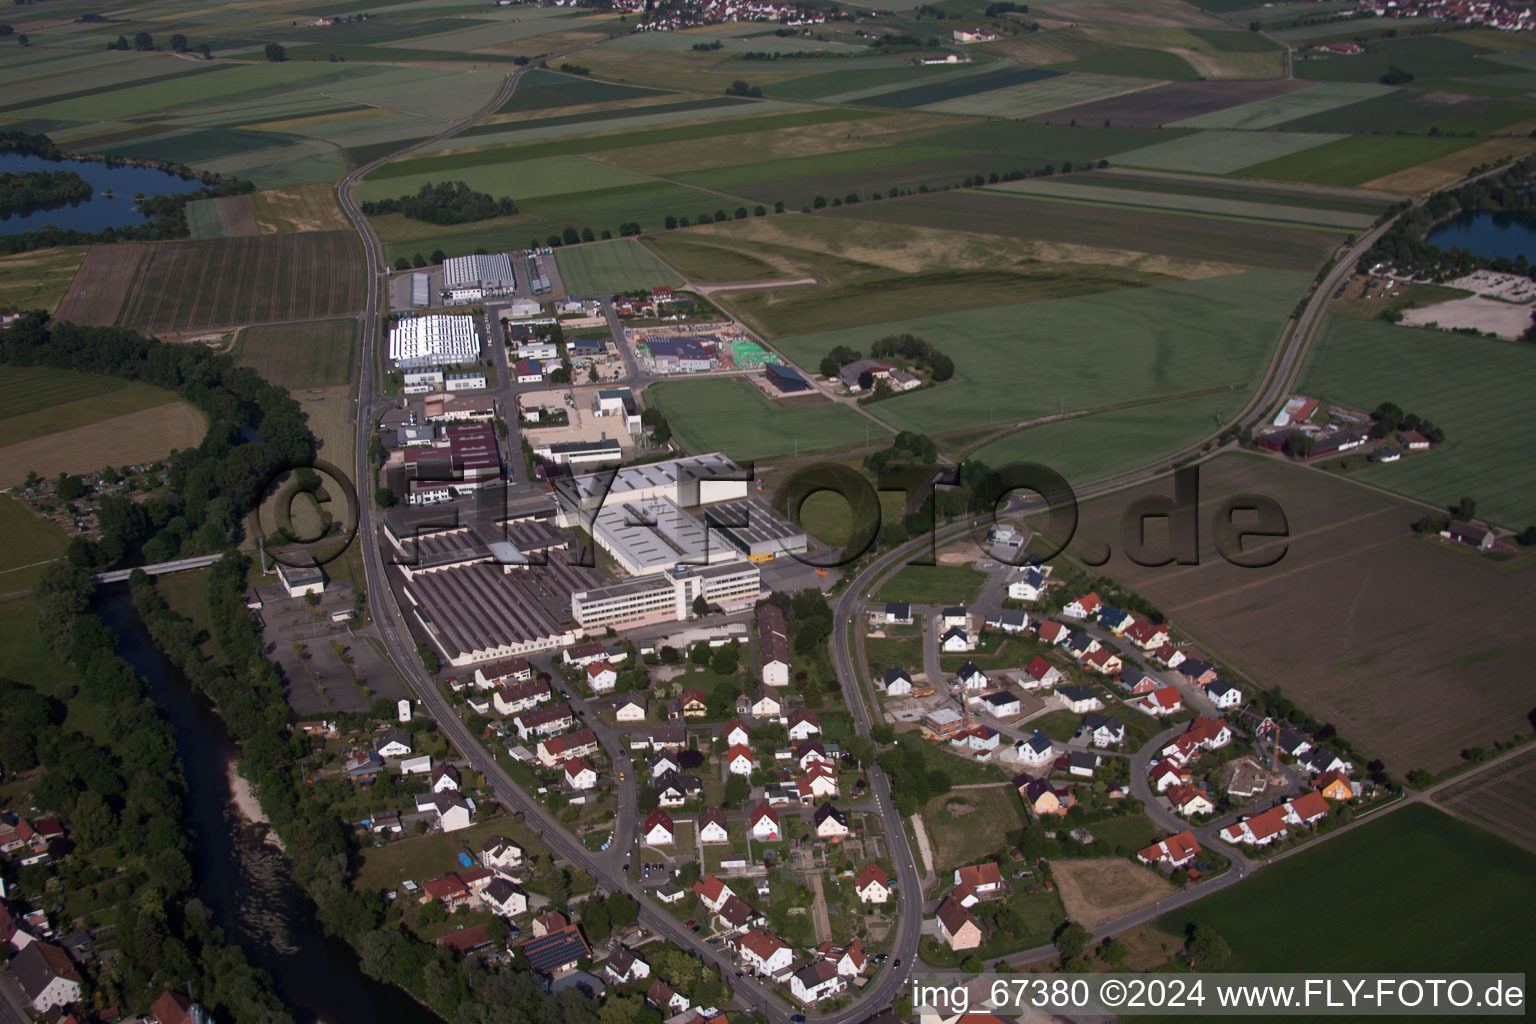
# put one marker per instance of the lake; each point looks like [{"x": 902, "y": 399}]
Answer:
[
  {"x": 1489, "y": 233},
  {"x": 100, "y": 211}
]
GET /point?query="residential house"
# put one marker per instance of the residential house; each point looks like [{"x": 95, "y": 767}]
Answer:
[
  {"x": 450, "y": 890},
  {"x": 1209, "y": 733},
  {"x": 1085, "y": 607},
  {"x": 1029, "y": 585},
  {"x": 1172, "y": 853},
  {"x": 952, "y": 617},
  {"x": 970, "y": 677},
  {"x": 392, "y": 742},
  {"x": 739, "y": 760},
  {"x": 1224, "y": 695},
  {"x": 500, "y": 673},
  {"x": 362, "y": 766},
  {"x": 46, "y": 975},
  {"x": 982, "y": 738},
  {"x": 850, "y": 963},
  {"x": 666, "y": 999},
  {"x": 810, "y": 751},
  {"x": 1146, "y": 635},
  {"x": 1168, "y": 655},
  {"x": 712, "y": 892},
  {"x": 505, "y": 898},
  {"x": 763, "y": 952},
  {"x": 673, "y": 789},
  {"x": 602, "y": 677},
  {"x": 898, "y": 682},
  {"x": 712, "y": 826},
  {"x": 445, "y": 777},
  {"x": 501, "y": 854},
  {"x": 1041, "y": 797},
  {"x": 1165, "y": 700},
  {"x": 735, "y": 914},
  {"x": 516, "y": 697},
  {"x": 559, "y": 749},
  {"x": 830, "y": 823},
  {"x": 1197, "y": 672},
  {"x": 737, "y": 733},
  {"x": 985, "y": 878},
  {"x": 1166, "y": 774},
  {"x": 1037, "y": 751},
  {"x": 1321, "y": 759},
  {"x": 764, "y": 822},
  {"x": 1103, "y": 661},
  {"x": 1082, "y": 762},
  {"x": 816, "y": 981},
  {"x": 1292, "y": 743},
  {"x": 1259, "y": 830},
  {"x": 765, "y": 703},
  {"x": 1053, "y": 633},
  {"x": 943, "y": 723},
  {"x": 956, "y": 640},
  {"x": 1009, "y": 620},
  {"x": 11, "y": 931},
  {"x": 453, "y": 811},
  {"x": 803, "y": 724},
  {"x": 1115, "y": 620},
  {"x": 1080, "y": 699},
  {"x": 1079, "y": 643},
  {"x": 818, "y": 783},
  {"x": 693, "y": 704},
  {"x": 1102, "y": 730},
  {"x": 1002, "y": 704},
  {"x": 1334, "y": 785},
  {"x": 1044, "y": 673},
  {"x": 630, "y": 709},
  {"x": 579, "y": 775},
  {"x": 872, "y": 884},
  {"x": 582, "y": 655},
  {"x": 657, "y": 830},
  {"x": 623, "y": 966},
  {"x": 1306, "y": 809},
  {"x": 773, "y": 645},
  {"x": 542, "y": 722},
  {"x": 957, "y": 926},
  {"x": 556, "y": 952},
  {"x": 1190, "y": 800},
  {"x": 548, "y": 923},
  {"x": 897, "y": 613}
]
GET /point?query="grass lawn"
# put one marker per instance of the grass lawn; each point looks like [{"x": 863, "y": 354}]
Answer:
[
  {"x": 827, "y": 516},
  {"x": 968, "y": 825},
  {"x": 1356, "y": 159},
  {"x": 420, "y": 858},
  {"x": 38, "y": 279},
  {"x": 1129, "y": 832},
  {"x": 1060, "y": 726},
  {"x": 32, "y": 541},
  {"x": 903, "y": 652},
  {"x": 1396, "y": 922},
  {"x": 933, "y": 584},
  {"x": 40, "y": 401},
  {"x": 312, "y": 354},
  {"x": 609, "y": 267},
  {"x": 735, "y": 417},
  {"x": 1472, "y": 388},
  {"x": 1014, "y": 362}
]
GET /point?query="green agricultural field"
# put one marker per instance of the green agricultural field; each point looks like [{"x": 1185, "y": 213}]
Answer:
[
  {"x": 608, "y": 267},
  {"x": 520, "y": 179},
  {"x": 1087, "y": 448},
  {"x": 955, "y": 88},
  {"x": 38, "y": 279},
  {"x": 827, "y": 516},
  {"x": 1207, "y": 205},
  {"x": 734, "y": 417},
  {"x": 869, "y": 73},
  {"x": 1397, "y": 919},
  {"x": 599, "y": 122},
  {"x": 306, "y": 355},
  {"x": 205, "y": 219},
  {"x": 1219, "y": 152},
  {"x": 1040, "y": 96},
  {"x": 1431, "y": 59},
  {"x": 1234, "y": 40},
  {"x": 1290, "y": 107},
  {"x": 40, "y": 401},
  {"x": 868, "y": 163},
  {"x": 546, "y": 90},
  {"x": 932, "y": 584},
  {"x": 1134, "y": 61},
  {"x": 31, "y": 542},
  {"x": 1414, "y": 112},
  {"x": 1472, "y": 388},
  {"x": 1357, "y": 159},
  {"x": 1022, "y": 362}
]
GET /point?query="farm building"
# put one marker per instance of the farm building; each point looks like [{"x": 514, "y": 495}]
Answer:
[
  {"x": 491, "y": 274},
  {"x": 786, "y": 378},
  {"x": 435, "y": 340}
]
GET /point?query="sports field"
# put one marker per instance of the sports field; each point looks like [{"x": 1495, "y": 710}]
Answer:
[
  {"x": 1472, "y": 388},
  {"x": 1221, "y": 152},
  {"x": 1022, "y": 362},
  {"x": 735, "y": 417},
  {"x": 1410, "y": 682},
  {"x": 1397, "y": 919},
  {"x": 608, "y": 267},
  {"x": 304, "y": 355},
  {"x": 193, "y": 285},
  {"x": 38, "y": 400}
]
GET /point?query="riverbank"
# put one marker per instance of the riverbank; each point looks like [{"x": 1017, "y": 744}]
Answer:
[{"x": 244, "y": 798}]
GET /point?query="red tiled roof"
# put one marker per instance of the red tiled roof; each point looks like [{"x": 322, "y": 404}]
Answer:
[
  {"x": 871, "y": 872},
  {"x": 981, "y": 874}
]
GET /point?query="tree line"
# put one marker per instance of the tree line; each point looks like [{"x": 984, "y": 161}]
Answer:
[
  {"x": 26, "y": 191},
  {"x": 448, "y": 202}
]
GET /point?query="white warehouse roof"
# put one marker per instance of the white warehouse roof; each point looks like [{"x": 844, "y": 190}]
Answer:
[
  {"x": 477, "y": 271},
  {"x": 433, "y": 340}
]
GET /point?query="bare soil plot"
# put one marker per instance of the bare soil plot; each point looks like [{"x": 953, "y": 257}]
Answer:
[
  {"x": 1483, "y": 314},
  {"x": 239, "y": 218},
  {"x": 1170, "y": 234},
  {"x": 1337, "y": 623},
  {"x": 1102, "y": 889},
  {"x": 1501, "y": 800},
  {"x": 98, "y": 289},
  {"x": 1152, "y": 108},
  {"x": 188, "y": 285},
  {"x": 296, "y": 209},
  {"x": 137, "y": 437}
]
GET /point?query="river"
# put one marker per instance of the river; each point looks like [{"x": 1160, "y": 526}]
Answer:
[
  {"x": 242, "y": 878},
  {"x": 1489, "y": 233},
  {"x": 101, "y": 210}
]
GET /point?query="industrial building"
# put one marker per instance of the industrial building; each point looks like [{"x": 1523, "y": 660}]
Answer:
[
  {"x": 489, "y": 274},
  {"x": 678, "y": 355},
  {"x": 421, "y": 290},
  {"x": 754, "y": 530},
  {"x": 434, "y": 340},
  {"x": 576, "y": 453},
  {"x": 667, "y": 596},
  {"x": 619, "y": 402},
  {"x": 472, "y": 381},
  {"x": 695, "y": 480},
  {"x": 651, "y": 535},
  {"x": 420, "y": 382},
  {"x": 786, "y": 378}
]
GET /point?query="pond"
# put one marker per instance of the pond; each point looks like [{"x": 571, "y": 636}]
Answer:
[
  {"x": 102, "y": 210},
  {"x": 1489, "y": 233}
]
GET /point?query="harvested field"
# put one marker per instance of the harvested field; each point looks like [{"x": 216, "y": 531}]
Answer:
[
  {"x": 1355, "y": 160},
  {"x": 1167, "y": 234},
  {"x": 301, "y": 208},
  {"x": 188, "y": 285},
  {"x": 39, "y": 401},
  {"x": 1447, "y": 170},
  {"x": 1474, "y": 389},
  {"x": 1501, "y": 800},
  {"x": 1152, "y": 108},
  {"x": 239, "y": 218},
  {"x": 1221, "y": 152},
  {"x": 137, "y": 437},
  {"x": 1410, "y": 682},
  {"x": 96, "y": 293},
  {"x": 38, "y": 279},
  {"x": 1102, "y": 889},
  {"x": 329, "y": 415},
  {"x": 302, "y": 355}
]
